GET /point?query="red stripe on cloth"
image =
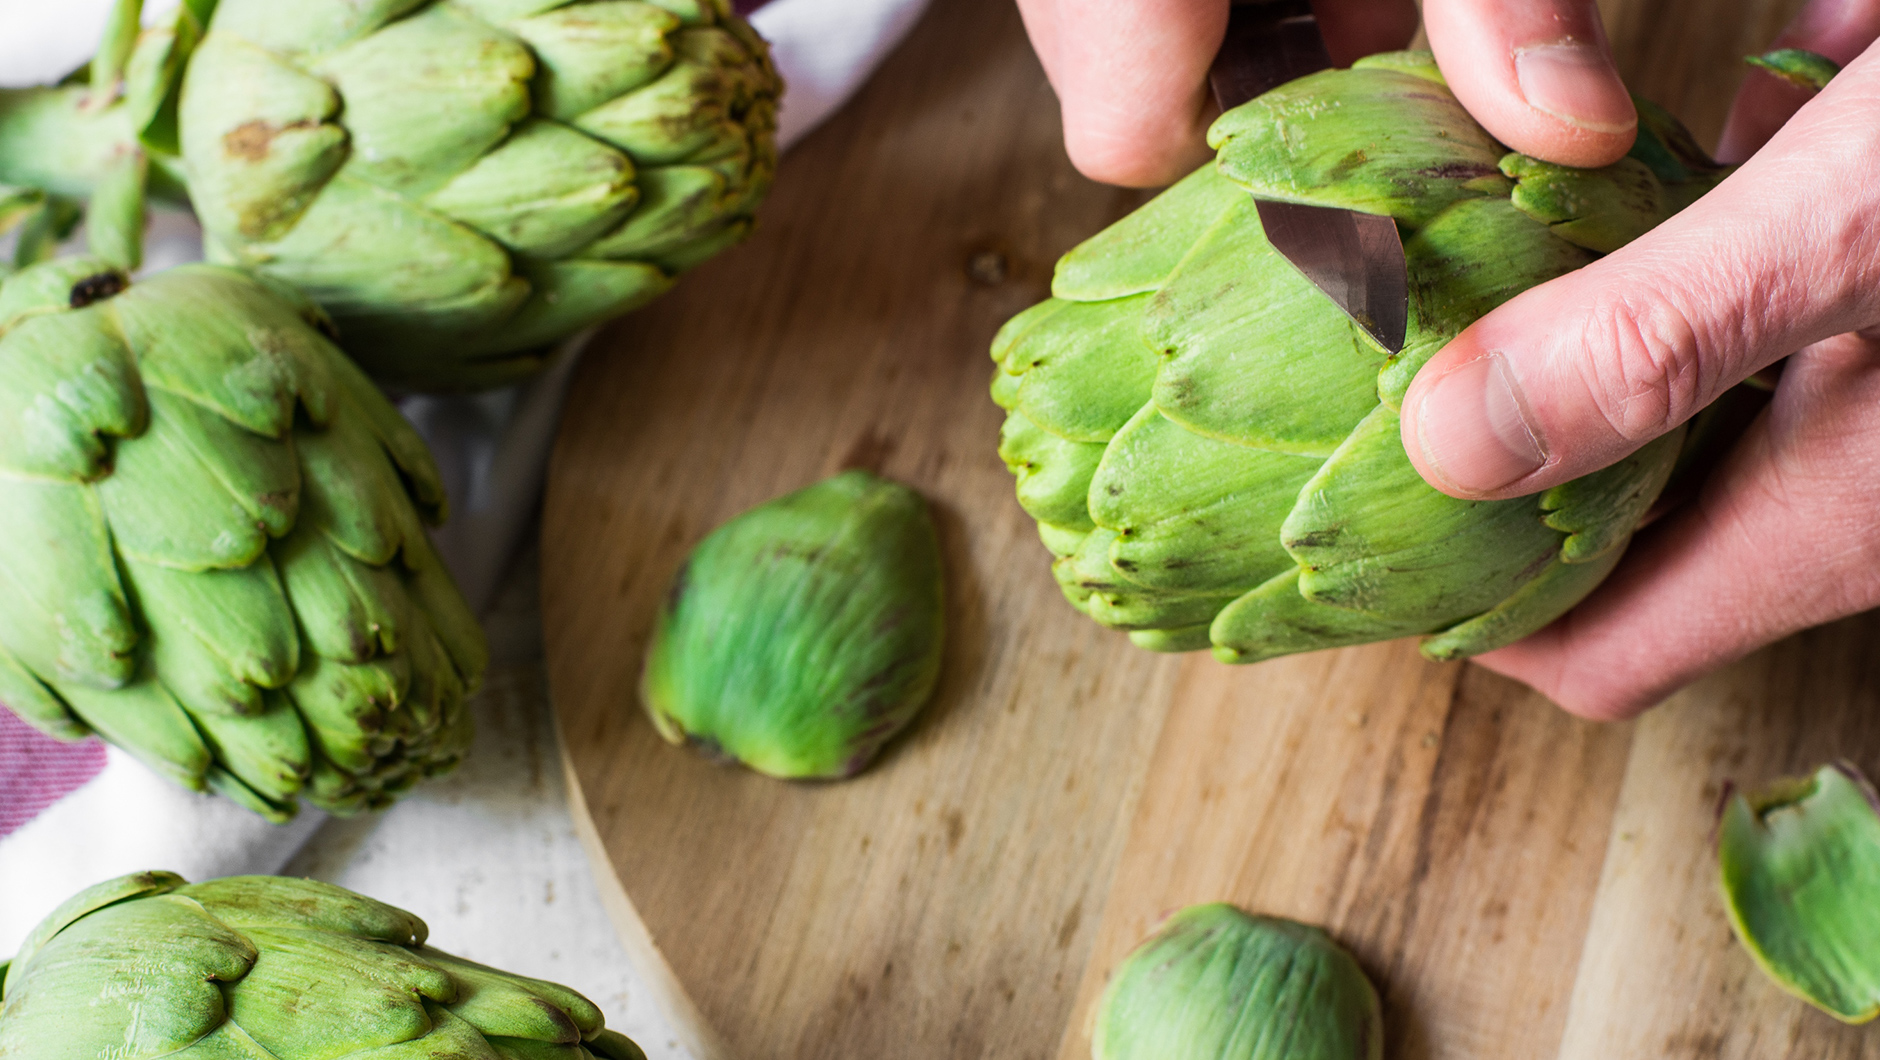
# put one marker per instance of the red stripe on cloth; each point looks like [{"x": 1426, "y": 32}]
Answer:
[
  {"x": 37, "y": 770},
  {"x": 745, "y": 7}
]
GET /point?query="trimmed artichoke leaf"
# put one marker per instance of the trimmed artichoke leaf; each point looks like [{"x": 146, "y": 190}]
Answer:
[
  {"x": 288, "y": 902},
  {"x": 67, "y": 617},
  {"x": 1253, "y": 352},
  {"x": 1215, "y": 982},
  {"x": 1053, "y": 474},
  {"x": 548, "y": 190},
  {"x": 686, "y": 109},
  {"x": 1084, "y": 371},
  {"x": 677, "y": 203},
  {"x": 1172, "y": 641},
  {"x": 1599, "y": 512},
  {"x": 566, "y": 296},
  {"x": 22, "y": 692},
  {"x": 1136, "y": 254},
  {"x": 257, "y": 137},
  {"x": 1370, "y": 535},
  {"x": 66, "y": 383},
  {"x": 217, "y": 637},
  {"x": 1415, "y": 63},
  {"x": 196, "y": 492},
  {"x": 427, "y": 96},
  {"x": 1368, "y": 139},
  {"x": 1010, "y": 333},
  {"x": 161, "y": 959},
  {"x": 1800, "y": 869},
  {"x": 351, "y": 491},
  {"x": 267, "y": 752},
  {"x": 345, "y": 706},
  {"x": 349, "y": 611},
  {"x": 586, "y": 54},
  {"x": 1061, "y": 540},
  {"x": 306, "y": 26},
  {"x": 1275, "y": 619},
  {"x": 1091, "y": 582},
  {"x": 83, "y": 904},
  {"x": 1193, "y": 514},
  {"x": 1529, "y": 609},
  {"x": 1599, "y": 209},
  {"x": 1473, "y": 257},
  {"x": 228, "y": 344},
  {"x": 146, "y": 720},
  {"x": 388, "y": 269},
  {"x": 288, "y": 1004},
  {"x": 512, "y": 1006}
]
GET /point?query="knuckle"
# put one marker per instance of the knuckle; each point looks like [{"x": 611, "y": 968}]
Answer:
[{"x": 1644, "y": 367}]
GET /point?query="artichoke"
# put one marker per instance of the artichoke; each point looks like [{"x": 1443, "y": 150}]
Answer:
[
  {"x": 459, "y": 184},
  {"x": 1210, "y": 447},
  {"x": 1801, "y": 883},
  {"x": 1217, "y": 984},
  {"x": 803, "y": 635},
  {"x": 212, "y": 542},
  {"x": 253, "y": 967}
]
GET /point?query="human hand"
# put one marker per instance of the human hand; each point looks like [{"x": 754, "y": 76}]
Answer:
[{"x": 1783, "y": 257}]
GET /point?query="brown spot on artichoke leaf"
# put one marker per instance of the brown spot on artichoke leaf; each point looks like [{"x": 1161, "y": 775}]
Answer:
[{"x": 252, "y": 141}]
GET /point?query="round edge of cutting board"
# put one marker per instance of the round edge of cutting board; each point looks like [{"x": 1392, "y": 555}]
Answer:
[{"x": 695, "y": 1034}]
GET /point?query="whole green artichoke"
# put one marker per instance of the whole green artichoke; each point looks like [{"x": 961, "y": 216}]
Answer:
[
  {"x": 1216, "y": 984},
  {"x": 212, "y": 542},
  {"x": 1211, "y": 448},
  {"x": 459, "y": 184},
  {"x": 1800, "y": 873},
  {"x": 801, "y": 636},
  {"x": 270, "y": 968}
]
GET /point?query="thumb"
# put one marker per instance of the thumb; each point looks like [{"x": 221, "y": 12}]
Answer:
[{"x": 1573, "y": 375}]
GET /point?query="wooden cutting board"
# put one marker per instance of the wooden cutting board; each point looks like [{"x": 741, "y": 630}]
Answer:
[{"x": 1519, "y": 884}]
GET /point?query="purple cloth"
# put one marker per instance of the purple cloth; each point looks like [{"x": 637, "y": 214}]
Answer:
[{"x": 37, "y": 770}]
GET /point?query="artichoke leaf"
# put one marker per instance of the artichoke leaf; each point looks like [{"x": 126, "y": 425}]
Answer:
[
  {"x": 1598, "y": 512},
  {"x": 352, "y": 493},
  {"x": 1276, "y": 619},
  {"x": 145, "y": 719},
  {"x": 1084, "y": 371},
  {"x": 286, "y": 902},
  {"x": 267, "y": 752},
  {"x": 566, "y": 296},
  {"x": 22, "y": 692},
  {"x": 548, "y": 191},
  {"x": 287, "y": 1003},
  {"x": 1053, "y": 474},
  {"x": 1253, "y": 353},
  {"x": 67, "y": 617},
  {"x": 1372, "y": 536},
  {"x": 1193, "y": 514},
  {"x": 1599, "y": 209},
  {"x": 1091, "y": 581},
  {"x": 306, "y": 26},
  {"x": 217, "y": 637},
  {"x": 161, "y": 959},
  {"x": 349, "y": 611},
  {"x": 1173, "y": 641},
  {"x": 1370, "y": 139},
  {"x": 1136, "y": 254},
  {"x": 511, "y": 1006},
  {"x": 586, "y": 54},
  {"x": 1415, "y": 63},
  {"x": 447, "y": 614},
  {"x": 345, "y": 705},
  {"x": 676, "y": 203},
  {"x": 1061, "y": 540},
  {"x": 65, "y": 385},
  {"x": 83, "y": 904},
  {"x": 1529, "y": 609},
  {"x": 683, "y": 111},
  {"x": 1010, "y": 334},
  {"x": 706, "y": 243}
]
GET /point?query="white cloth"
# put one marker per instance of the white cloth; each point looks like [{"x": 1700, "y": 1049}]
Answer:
[{"x": 487, "y": 856}]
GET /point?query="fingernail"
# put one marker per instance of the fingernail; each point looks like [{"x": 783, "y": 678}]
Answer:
[
  {"x": 1474, "y": 428},
  {"x": 1575, "y": 83}
]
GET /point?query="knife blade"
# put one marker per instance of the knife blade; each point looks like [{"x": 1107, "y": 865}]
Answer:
[{"x": 1355, "y": 259}]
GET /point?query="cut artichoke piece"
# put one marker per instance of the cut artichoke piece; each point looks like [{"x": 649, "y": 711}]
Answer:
[
  {"x": 803, "y": 635},
  {"x": 1214, "y": 982},
  {"x": 1801, "y": 882},
  {"x": 1262, "y": 492},
  {"x": 267, "y": 968}
]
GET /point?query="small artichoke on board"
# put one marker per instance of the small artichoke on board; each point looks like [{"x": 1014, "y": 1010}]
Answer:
[
  {"x": 271, "y": 968},
  {"x": 1217, "y": 984},
  {"x": 212, "y": 542},
  {"x": 1211, "y": 448},
  {"x": 801, "y": 636},
  {"x": 1800, "y": 870},
  {"x": 459, "y": 184}
]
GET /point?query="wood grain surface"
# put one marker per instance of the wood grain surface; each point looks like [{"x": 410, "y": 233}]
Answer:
[{"x": 1519, "y": 884}]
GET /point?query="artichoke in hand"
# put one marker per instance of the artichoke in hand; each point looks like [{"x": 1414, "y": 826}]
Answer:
[
  {"x": 270, "y": 968},
  {"x": 1211, "y": 448},
  {"x": 1217, "y": 984},
  {"x": 803, "y": 635},
  {"x": 1801, "y": 883},
  {"x": 212, "y": 542},
  {"x": 459, "y": 184}
]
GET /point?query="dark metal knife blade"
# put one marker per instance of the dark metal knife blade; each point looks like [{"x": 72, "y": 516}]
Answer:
[{"x": 1355, "y": 258}]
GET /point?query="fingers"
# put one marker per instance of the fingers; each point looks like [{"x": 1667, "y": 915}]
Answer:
[
  {"x": 1838, "y": 29},
  {"x": 1574, "y": 374},
  {"x": 1131, "y": 77},
  {"x": 1538, "y": 74},
  {"x": 1782, "y": 538}
]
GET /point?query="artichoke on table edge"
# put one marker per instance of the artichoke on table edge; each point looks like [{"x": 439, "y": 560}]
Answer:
[
  {"x": 1211, "y": 449},
  {"x": 460, "y": 185}
]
